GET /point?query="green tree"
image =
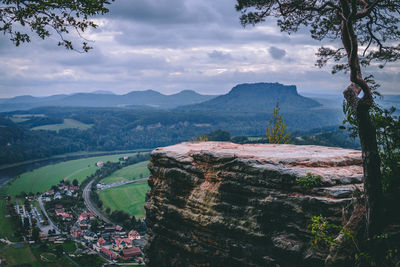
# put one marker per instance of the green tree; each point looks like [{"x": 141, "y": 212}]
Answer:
[
  {"x": 19, "y": 19},
  {"x": 75, "y": 182},
  {"x": 372, "y": 24},
  {"x": 276, "y": 131}
]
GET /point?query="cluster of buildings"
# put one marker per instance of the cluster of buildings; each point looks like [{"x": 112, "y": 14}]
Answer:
[
  {"x": 111, "y": 241},
  {"x": 33, "y": 215},
  {"x": 60, "y": 212},
  {"x": 63, "y": 189}
]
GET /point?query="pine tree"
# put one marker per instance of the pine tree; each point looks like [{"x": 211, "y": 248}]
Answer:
[{"x": 276, "y": 130}]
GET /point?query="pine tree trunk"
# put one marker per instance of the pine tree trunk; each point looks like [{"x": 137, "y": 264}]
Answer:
[
  {"x": 372, "y": 172},
  {"x": 366, "y": 129}
]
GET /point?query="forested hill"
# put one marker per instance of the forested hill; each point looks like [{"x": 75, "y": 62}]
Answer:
[
  {"x": 244, "y": 111},
  {"x": 148, "y": 98},
  {"x": 255, "y": 98}
]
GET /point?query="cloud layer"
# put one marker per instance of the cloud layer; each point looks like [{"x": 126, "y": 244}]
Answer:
[{"x": 171, "y": 46}]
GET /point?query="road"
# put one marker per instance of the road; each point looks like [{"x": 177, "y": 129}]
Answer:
[
  {"x": 90, "y": 206},
  {"x": 47, "y": 216}
]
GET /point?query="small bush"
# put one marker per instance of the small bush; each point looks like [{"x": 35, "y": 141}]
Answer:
[{"x": 309, "y": 181}]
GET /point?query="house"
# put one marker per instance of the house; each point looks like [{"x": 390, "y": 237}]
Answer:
[
  {"x": 84, "y": 224},
  {"x": 76, "y": 232},
  {"x": 109, "y": 254},
  {"x": 89, "y": 236},
  {"x": 86, "y": 216},
  {"x": 99, "y": 164},
  {"x": 49, "y": 192},
  {"x": 133, "y": 235},
  {"x": 109, "y": 228},
  {"x": 58, "y": 206},
  {"x": 118, "y": 228},
  {"x": 73, "y": 188},
  {"x": 101, "y": 242},
  {"x": 121, "y": 243},
  {"x": 60, "y": 211},
  {"x": 57, "y": 195},
  {"x": 131, "y": 252},
  {"x": 68, "y": 193},
  {"x": 66, "y": 217}
]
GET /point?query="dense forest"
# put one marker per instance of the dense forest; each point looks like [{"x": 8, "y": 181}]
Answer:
[{"x": 122, "y": 129}]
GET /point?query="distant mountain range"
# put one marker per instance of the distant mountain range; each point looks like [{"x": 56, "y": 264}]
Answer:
[
  {"x": 148, "y": 98},
  {"x": 255, "y": 98}
]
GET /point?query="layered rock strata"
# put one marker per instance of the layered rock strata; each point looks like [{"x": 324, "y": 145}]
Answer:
[{"x": 223, "y": 204}]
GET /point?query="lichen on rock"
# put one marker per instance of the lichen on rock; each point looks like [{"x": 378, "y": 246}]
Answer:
[{"x": 223, "y": 204}]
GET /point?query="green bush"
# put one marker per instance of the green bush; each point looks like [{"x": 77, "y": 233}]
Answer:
[{"x": 309, "y": 181}]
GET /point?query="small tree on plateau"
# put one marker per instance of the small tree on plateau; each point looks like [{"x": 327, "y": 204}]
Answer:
[
  {"x": 19, "y": 18},
  {"x": 276, "y": 131},
  {"x": 368, "y": 32}
]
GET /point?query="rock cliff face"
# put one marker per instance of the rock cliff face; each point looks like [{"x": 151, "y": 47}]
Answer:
[{"x": 222, "y": 204}]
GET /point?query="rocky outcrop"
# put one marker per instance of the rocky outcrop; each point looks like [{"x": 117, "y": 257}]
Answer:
[{"x": 223, "y": 204}]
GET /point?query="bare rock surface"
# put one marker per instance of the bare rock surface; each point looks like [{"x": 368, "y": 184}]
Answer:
[{"x": 224, "y": 204}]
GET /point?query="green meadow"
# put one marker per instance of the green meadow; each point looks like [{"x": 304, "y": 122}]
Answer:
[
  {"x": 39, "y": 180},
  {"x": 68, "y": 123},
  {"x": 129, "y": 198},
  {"x": 132, "y": 172}
]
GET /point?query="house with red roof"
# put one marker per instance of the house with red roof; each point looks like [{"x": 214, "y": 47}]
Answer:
[
  {"x": 86, "y": 216},
  {"x": 121, "y": 243},
  {"x": 66, "y": 217},
  {"x": 131, "y": 252},
  {"x": 49, "y": 192},
  {"x": 73, "y": 188},
  {"x": 76, "y": 232},
  {"x": 101, "y": 241},
  {"x": 133, "y": 235},
  {"x": 109, "y": 254},
  {"x": 118, "y": 228},
  {"x": 60, "y": 211}
]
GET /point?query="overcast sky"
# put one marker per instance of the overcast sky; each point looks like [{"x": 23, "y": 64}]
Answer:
[{"x": 169, "y": 46}]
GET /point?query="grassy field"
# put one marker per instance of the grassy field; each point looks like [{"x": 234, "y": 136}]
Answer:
[
  {"x": 129, "y": 198},
  {"x": 68, "y": 123},
  {"x": 43, "y": 178},
  {"x": 18, "y": 120},
  {"x": 131, "y": 172},
  {"x": 7, "y": 228}
]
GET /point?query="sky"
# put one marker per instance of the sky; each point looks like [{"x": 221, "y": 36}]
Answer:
[{"x": 173, "y": 45}]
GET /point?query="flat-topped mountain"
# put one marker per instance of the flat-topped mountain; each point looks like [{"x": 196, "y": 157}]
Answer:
[
  {"x": 148, "y": 98},
  {"x": 256, "y": 97}
]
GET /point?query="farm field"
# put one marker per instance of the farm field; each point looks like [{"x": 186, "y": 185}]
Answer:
[
  {"x": 129, "y": 198},
  {"x": 132, "y": 172},
  {"x": 7, "y": 227},
  {"x": 68, "y": 123},
  {"x": 43, "y": 178}
]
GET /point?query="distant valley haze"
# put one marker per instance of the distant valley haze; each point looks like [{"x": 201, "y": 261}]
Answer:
[{"x": 173, "y": 46}]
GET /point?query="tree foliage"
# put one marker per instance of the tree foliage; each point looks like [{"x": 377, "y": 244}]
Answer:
[
  {"x": 20, "y": 18},
  {"x": 368, "y": 31},
  {"x": 276, "y": 131}
]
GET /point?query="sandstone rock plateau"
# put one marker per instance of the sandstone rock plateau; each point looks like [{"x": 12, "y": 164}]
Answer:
[{"x": 223, "y": 204}]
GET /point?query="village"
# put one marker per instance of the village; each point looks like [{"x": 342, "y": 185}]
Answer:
[{"x": 64, "y": 217}]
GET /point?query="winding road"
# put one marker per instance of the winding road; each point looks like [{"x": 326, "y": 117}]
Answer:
[
  {"x": 90, "y": 206},
  {"x": 47, "y": 216}
]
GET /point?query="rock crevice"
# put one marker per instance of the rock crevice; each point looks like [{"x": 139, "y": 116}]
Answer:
[{"x": 223, "y": 204}]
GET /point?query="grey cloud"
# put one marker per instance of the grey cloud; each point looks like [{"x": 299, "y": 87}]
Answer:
[
  {"x": 219, "y": 55},
  {"x": 276, "y": 53}
]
